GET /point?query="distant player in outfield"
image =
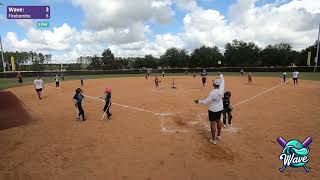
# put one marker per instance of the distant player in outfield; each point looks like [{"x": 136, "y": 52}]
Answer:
[
  {"x": 241, "y": 72},
  {"x": 249, "y": 78},
  {"x": 295, "y": 77},
  {"x": 204, "y": 77},
  {"x": 194, "y": 74},
  {"x": 148, "y": 72},
  {"x": 173, "y": 85},
  {"x": 215, "y": 103},
  {"x": 62, "y": 77},
  {"x": 19, "y": 77},
  {"x": 106, "y": 108},
  {"x": 146, "y": 75},
  {"x": 57, "y": 80},
  {"x": 284, "y": 77},
  {"x": 38, "y": 86},
  {"x": 162, "y": 73},
  {"x": 156, "y": 83},
  {"x": 81, "y": 80},
  {"x": 78, "y": 98},
  {"x": 227, "y": 109}
]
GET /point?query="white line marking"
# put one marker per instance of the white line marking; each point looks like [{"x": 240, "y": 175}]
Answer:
[
  {"x": 263, "y": 92},
  {"x": 125, "y": 106}
]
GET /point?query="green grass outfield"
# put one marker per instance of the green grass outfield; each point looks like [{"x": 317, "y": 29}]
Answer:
[{"x": 12, "y": 82}]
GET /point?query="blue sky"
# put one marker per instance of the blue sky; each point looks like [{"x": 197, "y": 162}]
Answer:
[{"x": 86, "y": 27}]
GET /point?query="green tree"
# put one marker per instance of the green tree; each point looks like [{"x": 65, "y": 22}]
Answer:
[
  {"x": 277, "y": 55},
  {"x": 240, "y": 53},
  {"x": 95, "y": 63},
  {"x": 174, "y": 58},
  {"x": 206, "y": 57}
]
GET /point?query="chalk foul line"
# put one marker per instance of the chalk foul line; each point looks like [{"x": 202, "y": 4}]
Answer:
[
  {"x": 261, "y": 93},
  {"x": 169, "y": 130}
]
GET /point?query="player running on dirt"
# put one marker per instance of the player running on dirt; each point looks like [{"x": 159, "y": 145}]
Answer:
[
  {"x": 57, "y": 80},
  {"x": 81, "y": 80},
  {"x": 215, "y": 103},
  {"x": 249, "y": 78},
  {"x": 19, "y": 77},
  {"x": 78, "y": 98},
  {"x": 204, "y": 78},
  {"x": 107, "y": 99},
  {"x": 38, "y": 86},
  {"x": 156, "y": 83}
]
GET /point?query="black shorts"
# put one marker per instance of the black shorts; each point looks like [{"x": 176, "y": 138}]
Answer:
[
  {"x": 20, "y": 81},
  {"x": 214, "y": 116},
  {"x": 39, "y": 90},
  {"x": 295, "y": 79}
]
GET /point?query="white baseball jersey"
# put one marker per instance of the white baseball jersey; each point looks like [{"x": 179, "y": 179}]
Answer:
[
  {"x": 38, "y": 83},
  {"x": 214, "y": 99},
  {"x": 295, "y": 74}
]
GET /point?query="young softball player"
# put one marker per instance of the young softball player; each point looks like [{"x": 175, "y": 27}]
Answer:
[
  {"x": 78, "y": 98},
  {"x": 106, "y": 108},
  {"x": 241, "y": 72},
  {"x": 173, "y": 85},
  {"x": 156, "y": 83},
  {"x": 249, "y": 78},
  {"x": 57, "y": 81},
  {"x": 215, "y": 103},
  {"x": 19, "y": 77},
  {"x": 295, "y": 77},
  {"x": 204, "y": 77},
  {"x": 194, "y": 74},
  {"x": 38, "y": 86},
  {"x": 227, "y": 109},
  {"x": 284, "y": 77},
  {"x": 162, "y": 73},
  {"x": 81, "y": 80}
]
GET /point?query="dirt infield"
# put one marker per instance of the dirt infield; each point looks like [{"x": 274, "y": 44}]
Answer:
[
  {"x": 161, "y": 134},
  {"x": 12, "y": 111}
]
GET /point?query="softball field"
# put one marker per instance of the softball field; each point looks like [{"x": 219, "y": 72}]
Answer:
[{"x": 156, "y": 135}]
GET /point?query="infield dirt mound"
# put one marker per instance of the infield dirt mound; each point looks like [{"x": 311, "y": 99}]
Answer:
[{"x": 12, "y": 111}]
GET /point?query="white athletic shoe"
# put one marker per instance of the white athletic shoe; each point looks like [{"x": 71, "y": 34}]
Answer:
[
  {"x": 213, "y": 141},
  {"x": 218, "y": 137},
  {"x": 230, "y": 125},
  {"x": 224, "y": 125}
]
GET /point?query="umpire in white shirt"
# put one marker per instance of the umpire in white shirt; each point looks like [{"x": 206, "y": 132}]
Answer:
[{"x": 215, "y": 103}]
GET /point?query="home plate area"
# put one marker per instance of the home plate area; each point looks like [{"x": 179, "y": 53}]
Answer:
[{"x": 184, "y": 123}]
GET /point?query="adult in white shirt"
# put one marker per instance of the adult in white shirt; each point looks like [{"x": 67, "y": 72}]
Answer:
[
  {"x": 215, "y": 103},
  {"x": 295, "y": 77},
  {"x": 38, "y": 86}
]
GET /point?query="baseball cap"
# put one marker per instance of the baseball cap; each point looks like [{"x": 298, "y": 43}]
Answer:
[{"x": 217, "y": 82}]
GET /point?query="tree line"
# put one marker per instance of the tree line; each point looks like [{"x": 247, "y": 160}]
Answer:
[
  {"x": 237, "y": 54},
  {"x": 25, "y": 61}
]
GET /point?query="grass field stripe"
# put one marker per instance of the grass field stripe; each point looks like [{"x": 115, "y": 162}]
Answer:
[
  {"x": 135, "y": 108},
  {"x": 263, "y": 92}
]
